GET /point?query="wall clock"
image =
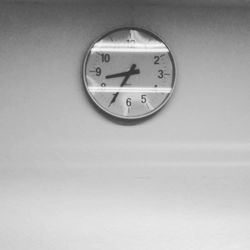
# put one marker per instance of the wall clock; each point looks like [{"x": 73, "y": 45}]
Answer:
[{"x": 129, "y": 73}]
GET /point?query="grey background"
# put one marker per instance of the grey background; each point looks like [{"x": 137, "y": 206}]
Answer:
[{"x": 72, "y": 179}]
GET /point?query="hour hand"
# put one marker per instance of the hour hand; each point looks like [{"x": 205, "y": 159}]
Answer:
[{"x": 131, "y": 72}]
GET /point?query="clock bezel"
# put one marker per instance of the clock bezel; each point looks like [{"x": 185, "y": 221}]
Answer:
[{"x": 106, "y": 111}]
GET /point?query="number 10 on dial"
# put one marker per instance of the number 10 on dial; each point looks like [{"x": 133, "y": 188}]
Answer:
[{"x": 129, "y": 73}]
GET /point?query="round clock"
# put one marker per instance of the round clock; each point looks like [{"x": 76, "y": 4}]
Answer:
[{"x": 129, "y": 73}]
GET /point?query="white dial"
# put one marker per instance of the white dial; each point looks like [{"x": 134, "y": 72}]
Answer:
[{"x": 129, "y": 73}]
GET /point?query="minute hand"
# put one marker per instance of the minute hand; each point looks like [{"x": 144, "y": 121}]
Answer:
[{"x": 127, "y": 75}]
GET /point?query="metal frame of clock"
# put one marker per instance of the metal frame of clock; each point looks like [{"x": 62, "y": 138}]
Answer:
[{"x": 129, "y": 73}]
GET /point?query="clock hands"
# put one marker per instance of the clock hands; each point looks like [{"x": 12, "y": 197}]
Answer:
[
  {"x": 126, "y": 75},
  {"x": 130, "y": 72}
]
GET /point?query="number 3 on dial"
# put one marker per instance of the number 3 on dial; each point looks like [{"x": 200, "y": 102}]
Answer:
[{"x": 119, "y": 75}]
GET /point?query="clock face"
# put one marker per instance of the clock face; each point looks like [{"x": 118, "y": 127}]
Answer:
[{"x": 129, "y": 73}]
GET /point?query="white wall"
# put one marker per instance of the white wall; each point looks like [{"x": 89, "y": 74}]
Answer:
[
  {"x": 46, "y": 117},
  {"x": 72, "y": 179}
]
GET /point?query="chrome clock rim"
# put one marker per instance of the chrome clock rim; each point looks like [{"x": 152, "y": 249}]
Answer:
[{"x": 108, "y": 112}]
